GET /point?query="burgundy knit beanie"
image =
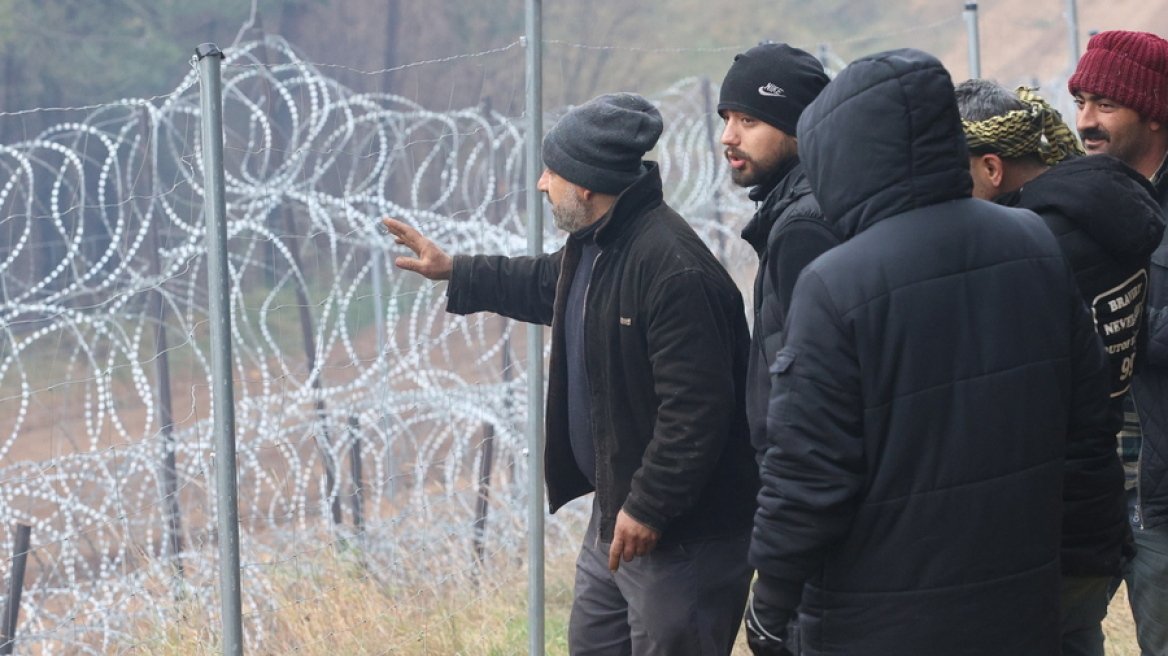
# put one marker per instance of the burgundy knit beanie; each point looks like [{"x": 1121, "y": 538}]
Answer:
[{"x": 1130, "y": 68}]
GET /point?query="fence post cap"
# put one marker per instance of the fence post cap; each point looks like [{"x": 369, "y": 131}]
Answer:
[{"x": 208, "y": 50}]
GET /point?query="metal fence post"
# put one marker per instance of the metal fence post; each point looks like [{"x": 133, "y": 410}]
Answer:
[
  {"x": 974, "y": 45},
  {"x": 15, "y": 587},
  {"x": 358, "y": 505},
  {"x": 308, "y": 337},
  {"x": 535, "y": 517},
  {"x": 483, "y": 499},
  {"x": 172, "y": 539},
  {"x": 1073, "y": 32},
  {"x": 716, "y": 150},
  {"x": 223, "y": 393},
  {"x": 172, "y": 534}
]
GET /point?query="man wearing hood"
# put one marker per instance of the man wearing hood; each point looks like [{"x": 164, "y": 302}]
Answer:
[
  {"x": 1107, "y": 223},
  {"x": 936, "y": 366},
  {"x": 762, "y": 97},
  {"x": 645, "y": 388}
]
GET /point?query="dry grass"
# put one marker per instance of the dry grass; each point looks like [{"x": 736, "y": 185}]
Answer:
[
  {"x": 336, "y": 608},
  {"x": 1119, "y": 627}
]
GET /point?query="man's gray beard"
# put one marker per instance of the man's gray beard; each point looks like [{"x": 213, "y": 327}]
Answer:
[{"x": 571, "y": 215}]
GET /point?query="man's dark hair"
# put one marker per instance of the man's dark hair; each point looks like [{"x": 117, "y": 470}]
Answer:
[{"x": 978, "y": 100}]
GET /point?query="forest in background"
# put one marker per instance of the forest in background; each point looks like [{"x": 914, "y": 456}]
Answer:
[
  {"x": 70, "y": 53},
  {"x": 61, "y": 53}
]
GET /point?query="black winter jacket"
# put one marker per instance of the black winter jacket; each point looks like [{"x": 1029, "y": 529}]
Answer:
[
  {"x": 665, "y": 353},
  {"x": 788, "y": 231},
  {"x": 1107, "y": 224},
  {"x": 1150, "y": 389},
  {"x": 935, "y": 366}
]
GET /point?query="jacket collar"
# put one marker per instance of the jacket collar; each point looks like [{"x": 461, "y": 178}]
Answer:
[
  {"x": 1160, "y": 181},
  {"x": 763, "y": 190},
  {"x": 1105, "y": 198},
  {"x": 641, "y": 196},
  {"x": 789, "y": 188}
]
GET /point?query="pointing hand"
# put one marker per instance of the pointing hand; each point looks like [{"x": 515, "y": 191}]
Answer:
[{"x": 431, "y": 261}]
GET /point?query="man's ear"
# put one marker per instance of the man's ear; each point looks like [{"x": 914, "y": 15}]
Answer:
[{"x": 992, "y": 168}]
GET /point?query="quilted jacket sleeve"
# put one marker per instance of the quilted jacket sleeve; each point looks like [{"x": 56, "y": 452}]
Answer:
[{"x": 814, "y": 469}]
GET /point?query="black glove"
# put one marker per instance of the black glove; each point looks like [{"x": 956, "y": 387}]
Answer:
[{"x": 766, "y": 628}]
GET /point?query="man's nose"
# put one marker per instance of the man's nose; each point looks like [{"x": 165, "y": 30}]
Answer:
[
  {"x": 1086, "y": 118},
  {"x": 729, "y": 134}
]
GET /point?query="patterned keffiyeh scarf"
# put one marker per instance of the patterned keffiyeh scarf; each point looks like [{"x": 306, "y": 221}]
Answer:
[{"x": 1036, "y": 129}]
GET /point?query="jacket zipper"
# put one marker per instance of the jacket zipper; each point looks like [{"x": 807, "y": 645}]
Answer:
[
  {"x": 595, "y": 455},
  {"x": 1139, "y": 510}
]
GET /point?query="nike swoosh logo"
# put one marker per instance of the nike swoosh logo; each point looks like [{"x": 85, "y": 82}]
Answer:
[{"x": 773, "y": 90}]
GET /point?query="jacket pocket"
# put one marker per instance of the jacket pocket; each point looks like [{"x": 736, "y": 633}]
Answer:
[
  {"x": 782, "y": 388},
  {"x": 771, "y": 345},
  {"x": 782, "y": 363}
]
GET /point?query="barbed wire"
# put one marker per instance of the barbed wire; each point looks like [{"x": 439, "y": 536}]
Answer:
[
  {"x": 104, "y": 315},
  {"x": 585, "y": 46},
  {"x": 415, "y": 64},
  {"x": 339, "y": 360},
  {"x": 908, "y": 30},
  {"x": 190, "y": 80}
]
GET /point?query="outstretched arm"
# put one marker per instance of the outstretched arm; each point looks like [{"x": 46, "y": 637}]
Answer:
[
  {"x": 431, "y": 261},
  {"x": 521, "y": 288}
]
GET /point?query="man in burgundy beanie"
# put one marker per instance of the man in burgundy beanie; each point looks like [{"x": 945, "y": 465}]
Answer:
[{"x": 1121, "y": 90}]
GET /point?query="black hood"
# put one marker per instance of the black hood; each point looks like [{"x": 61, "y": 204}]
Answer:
[
  {"x": 1104, "y": 197},
  {"x": 884, "y": 137}
]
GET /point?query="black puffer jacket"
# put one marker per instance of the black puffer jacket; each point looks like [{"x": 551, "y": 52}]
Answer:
[
  {"x": 936, "y": 364},
  {"x": 1150, "y": 389},
  {"x": 1107, "y": 224},
  {"x": 788, "y": 231},
  {"x": 665, "y": 351}
]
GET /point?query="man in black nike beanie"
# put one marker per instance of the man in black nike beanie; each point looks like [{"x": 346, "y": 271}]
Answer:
[
  {"x": 772, "y": 82},
  {"x": 763, "y": 96}
]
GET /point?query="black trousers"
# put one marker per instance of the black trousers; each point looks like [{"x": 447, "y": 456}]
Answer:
[{"x": 680, "y": 600}]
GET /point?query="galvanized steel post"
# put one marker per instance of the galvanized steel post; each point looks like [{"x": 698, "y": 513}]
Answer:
[
  {"x": 974, "y": 44},
  {"x": 535, "y": 408},
  {"x": 1073, "y": 32},
  {"x": 22, "y": 539},
  {"x": 222, "y": 390}
]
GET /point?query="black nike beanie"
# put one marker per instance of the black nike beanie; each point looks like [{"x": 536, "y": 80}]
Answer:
[{"x": 772, "y": 82}]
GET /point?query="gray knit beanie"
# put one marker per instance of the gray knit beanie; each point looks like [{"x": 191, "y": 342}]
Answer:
[{"x": 599, "y": 145}]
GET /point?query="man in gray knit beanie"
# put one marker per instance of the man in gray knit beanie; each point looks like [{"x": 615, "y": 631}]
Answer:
[
  {"x": 596, "y": 148},
  {"x": 599, "y": 145},
  {"x": 645, "y": 403}
]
